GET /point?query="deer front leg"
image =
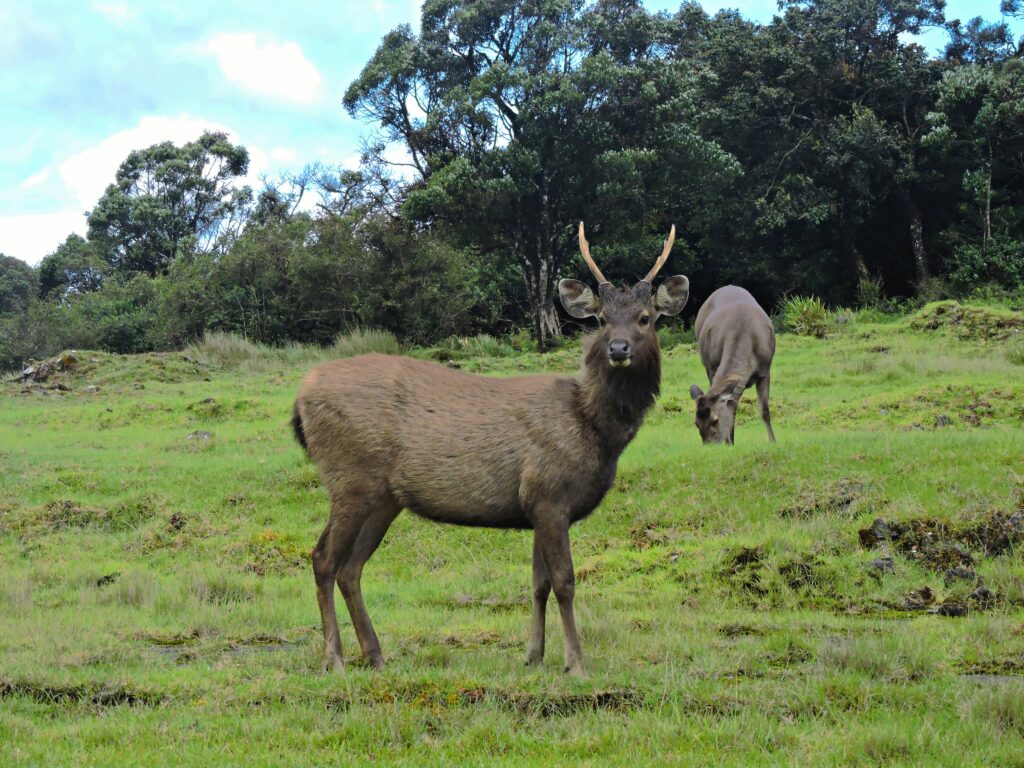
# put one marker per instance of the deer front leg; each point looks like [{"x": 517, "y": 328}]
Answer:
[
  {"x": 541, "y": 591},
  {"x": 552, "y": 536}
]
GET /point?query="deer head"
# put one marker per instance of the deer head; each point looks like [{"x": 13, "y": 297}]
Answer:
[{"x": 626, "y": 315}]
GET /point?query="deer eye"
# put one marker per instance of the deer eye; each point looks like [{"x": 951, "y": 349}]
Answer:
[{"x": 645, "y": 319}]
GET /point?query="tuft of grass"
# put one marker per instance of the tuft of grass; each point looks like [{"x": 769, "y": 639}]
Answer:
[
  {"x": 806, "y": 316},
  {"x": 469, "y": 347},
  {"x": 363, "y": 341},
  {"x": 232, "y": 351},
  {"x": 1000, "y": 705},
  {"x": 1015, "y": 352}
]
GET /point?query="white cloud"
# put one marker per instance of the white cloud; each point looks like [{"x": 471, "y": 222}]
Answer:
[
  {"x": 88, "y": 173},
  {"x": 36, "y": 179},
  {"x": 31, "y": 236},
  {"x": 283, "y": 154},
  {"x": 278, "y": 70},
  {"x": 119, "y": 13}
]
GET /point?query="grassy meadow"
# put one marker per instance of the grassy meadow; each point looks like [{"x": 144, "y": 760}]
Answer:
[{"x": 157, "y": 606}]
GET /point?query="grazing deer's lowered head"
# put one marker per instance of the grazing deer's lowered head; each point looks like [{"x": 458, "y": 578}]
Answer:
[
  {"x": 736, "y": 343},
  {"x": 534, "y": 452}
]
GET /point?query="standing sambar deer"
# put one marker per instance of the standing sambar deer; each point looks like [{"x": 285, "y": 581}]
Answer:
[
  {"x": 736, "y": 342},
  {"x": 536, "y": 452}
]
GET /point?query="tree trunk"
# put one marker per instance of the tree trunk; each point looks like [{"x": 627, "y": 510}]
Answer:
[
  {"x": 540, "y": 285},
  {"x": 988, "y": 199},
  {"x": 853, "y": 254},
  {"x": 917, "y": 241},
  {"x": 546, "y": 327}
]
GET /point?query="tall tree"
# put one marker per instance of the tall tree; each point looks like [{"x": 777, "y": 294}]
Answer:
[
  {"x": 17, "y": 285},
  {"x": 521, "y": 117},
  {"x": 167, "y": 201},
  {"x": 977, "y": 122},
  {"x": 74, "y": 268}
]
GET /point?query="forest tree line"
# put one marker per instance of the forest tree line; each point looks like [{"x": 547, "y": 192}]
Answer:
[{"x": 825, "y": 153}]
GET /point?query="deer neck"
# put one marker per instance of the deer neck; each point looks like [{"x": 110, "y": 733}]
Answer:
[{"x": 614, "y": 401}]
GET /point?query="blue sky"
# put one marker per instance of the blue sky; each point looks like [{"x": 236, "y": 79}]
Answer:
[{"x": 84, "y": 83}]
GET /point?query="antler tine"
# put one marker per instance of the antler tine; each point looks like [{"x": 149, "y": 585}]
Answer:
[
  {"x": 664, "y": 255},
  {"x": 585, "y": 250}
]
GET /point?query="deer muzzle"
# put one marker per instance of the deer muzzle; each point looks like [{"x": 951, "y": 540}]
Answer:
[{"x": 619, "y": 353}]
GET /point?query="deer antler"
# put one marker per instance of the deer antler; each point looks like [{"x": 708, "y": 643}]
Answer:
[
  {"x": 661, "y": 259},
  {"x": 585, "y": 250}
]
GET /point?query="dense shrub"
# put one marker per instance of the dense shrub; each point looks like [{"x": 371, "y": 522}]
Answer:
[{"x": 805, "y": 316}]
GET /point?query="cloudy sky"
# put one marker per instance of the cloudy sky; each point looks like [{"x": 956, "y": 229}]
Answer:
[{"x": 83, "y": 83}]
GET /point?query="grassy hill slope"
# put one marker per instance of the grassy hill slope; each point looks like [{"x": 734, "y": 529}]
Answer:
[{"x": 157, "y": 606}]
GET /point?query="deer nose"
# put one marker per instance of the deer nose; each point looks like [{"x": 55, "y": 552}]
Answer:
[{"x": 618, "y": 350}]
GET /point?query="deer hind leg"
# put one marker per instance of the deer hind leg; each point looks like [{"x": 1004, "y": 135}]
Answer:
[
  {"x": 552, "y": 535},
  {"x": 541, "y": 592},
  {"x": 347, "y": 517},
  {"x": 762, "y": 400},
  {"x": 350, "y": 574}
]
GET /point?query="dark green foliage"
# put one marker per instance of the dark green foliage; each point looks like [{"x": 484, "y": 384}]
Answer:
[
  {"x": 74, "y": 268},
  {"x": 821, "y": 154},
  {"x": 168, "y": 201},
  {"x": 17, "y": 285},
  {"x": 539, "y": 114}
]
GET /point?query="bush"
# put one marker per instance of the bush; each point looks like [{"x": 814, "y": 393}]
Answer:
[
  {"x": 871, "y": 293},
  {"x": 1000, "y": 262},
  {"x": 230, "y": 350},
  {"x": 675, "y": 334},
  {"x": 465, "y": 347},
  {"x": 1015, "y": 353},
  {"x": 363, "y": 341},
  {"x": 805, "y": 316}
]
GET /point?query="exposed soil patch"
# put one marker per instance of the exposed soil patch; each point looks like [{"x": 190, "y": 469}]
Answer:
[
  {"x": 744, "y": 567},
  {"x": 970, "y": 323},
  {"x": 919, "y": 599},
  {"x": 740, "y": 630},
  {"x": 443, "y": 697},
  {"x": 935, "y": 407},
  {"x": 946, "y": 546},
  {"x": 273, "y": 552},
  {"x": 1012, "y": 665},
  {"x": 836, "y": 499},
  {"x": 790, "y": 654},
  {"x": 622, "y": 700},
  {"x": 170, "y": 639},
  {"x": 882, "y": 565},
  {"x": 68, "y": 513},
  {"x": 471, "y": 639},
  {"x": 645, "y": 537},
  {"x": 99, "y": 695},
  {"x": 515, "y": 604}
]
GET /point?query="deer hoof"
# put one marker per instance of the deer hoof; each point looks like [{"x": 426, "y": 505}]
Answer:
[
  {"x": 332, "y": 664},
  {"x": 575, "y": 670}
]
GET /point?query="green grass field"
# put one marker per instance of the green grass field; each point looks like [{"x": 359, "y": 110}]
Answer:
[{"x": 157, "y": 605}]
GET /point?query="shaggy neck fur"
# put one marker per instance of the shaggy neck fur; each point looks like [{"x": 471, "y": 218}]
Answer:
[{"x": 613, "y": 401}]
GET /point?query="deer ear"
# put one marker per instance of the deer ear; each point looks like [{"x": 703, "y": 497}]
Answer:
[
  {"x": 672, "y": 295},
  {"x": 578, "y": 300},
  {"x": 695, "y": 392},
  {"x": 733, "y": 391}
]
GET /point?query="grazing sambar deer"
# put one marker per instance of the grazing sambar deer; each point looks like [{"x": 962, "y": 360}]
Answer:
[
  {"x": 533, "y": 452},
  {"x": 736, "y": 342}
]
